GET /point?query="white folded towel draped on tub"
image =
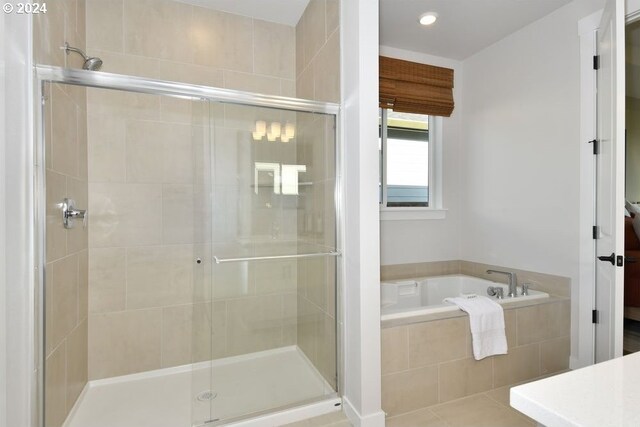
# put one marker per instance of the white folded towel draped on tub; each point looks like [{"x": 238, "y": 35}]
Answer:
[{"x": 486, "y": 319}]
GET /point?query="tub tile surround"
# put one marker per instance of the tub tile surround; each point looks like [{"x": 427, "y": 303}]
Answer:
[
  {"x": 438, "y": 350},
  {"x": 553, "y": 285}
]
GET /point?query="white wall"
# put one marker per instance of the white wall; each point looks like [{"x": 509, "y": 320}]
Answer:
[
  {"x": 361, "y": 286},
  {"x": 16, "y": 231},
  {"x": 431, "y": 239},
  {"x": 521, "y": 145}
]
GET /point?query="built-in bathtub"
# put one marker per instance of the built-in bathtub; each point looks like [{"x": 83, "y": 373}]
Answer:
[{"x": 425, "y": 295}]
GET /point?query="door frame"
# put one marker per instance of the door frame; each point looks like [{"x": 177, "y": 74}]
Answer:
[{"x": 586, "y": 299}]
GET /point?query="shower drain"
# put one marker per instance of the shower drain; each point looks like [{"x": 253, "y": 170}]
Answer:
[{"x": 206, "y": 396}]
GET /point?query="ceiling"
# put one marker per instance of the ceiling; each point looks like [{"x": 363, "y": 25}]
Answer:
[
  {"x": 463, "y": 28},
  {"x": 286, "y": 12}
]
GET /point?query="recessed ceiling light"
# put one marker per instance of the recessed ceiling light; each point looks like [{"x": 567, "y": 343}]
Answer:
[{"x": 428, "y": 18}]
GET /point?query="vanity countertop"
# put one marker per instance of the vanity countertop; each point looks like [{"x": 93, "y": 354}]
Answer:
[{"x": 602, "y": 395}]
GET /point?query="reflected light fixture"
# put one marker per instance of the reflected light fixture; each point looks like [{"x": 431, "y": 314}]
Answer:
[
  {"x": 428, "y": 18},
  {"x": 273, "y": 131}
]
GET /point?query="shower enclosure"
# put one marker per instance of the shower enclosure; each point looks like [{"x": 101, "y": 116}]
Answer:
[{"x": 209, "y": 289}]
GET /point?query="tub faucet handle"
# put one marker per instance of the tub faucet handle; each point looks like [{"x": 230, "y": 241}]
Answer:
[{"x": 525, "y": 289}]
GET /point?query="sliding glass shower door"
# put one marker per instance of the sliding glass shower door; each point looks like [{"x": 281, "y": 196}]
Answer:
[{"x": 265, "y": 262}]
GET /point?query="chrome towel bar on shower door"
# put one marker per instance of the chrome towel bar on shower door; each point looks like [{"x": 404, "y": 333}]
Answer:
[{"x": 262, "y": 258}]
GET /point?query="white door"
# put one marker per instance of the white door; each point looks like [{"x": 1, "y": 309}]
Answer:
[{"x": 610, "y": 182}]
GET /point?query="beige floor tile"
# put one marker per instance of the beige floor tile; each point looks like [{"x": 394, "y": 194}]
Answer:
[
  {"x": 421, "y": 418},
  {"x": 479, "y": 411}
]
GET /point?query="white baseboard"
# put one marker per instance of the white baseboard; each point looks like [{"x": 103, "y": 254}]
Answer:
[{"x": 376, "y": 419}]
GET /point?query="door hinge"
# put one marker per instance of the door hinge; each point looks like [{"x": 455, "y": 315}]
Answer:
[
  {"x": 594, "y": 231},
  {"x": 595, "y": 316},
  {"x": 596, "y": 62},
  {"x": 596, "y": 146}
]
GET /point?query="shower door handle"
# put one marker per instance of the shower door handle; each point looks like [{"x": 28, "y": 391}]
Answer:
[{"x": 70, "y": 213}]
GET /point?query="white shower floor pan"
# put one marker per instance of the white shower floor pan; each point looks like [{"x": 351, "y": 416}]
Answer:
[{"x": 244, "y": 385}]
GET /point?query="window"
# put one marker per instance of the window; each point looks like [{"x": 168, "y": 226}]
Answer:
[{"x": 407, "y": 160}]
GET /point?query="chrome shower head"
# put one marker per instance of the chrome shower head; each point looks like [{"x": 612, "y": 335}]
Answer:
[{"x": 90, "y": 63}]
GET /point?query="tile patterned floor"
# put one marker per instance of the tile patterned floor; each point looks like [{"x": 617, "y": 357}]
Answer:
[{"x": 489, "y": 409}]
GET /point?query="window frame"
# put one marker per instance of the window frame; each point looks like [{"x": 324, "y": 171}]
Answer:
[{"x": 435, "y": 209}]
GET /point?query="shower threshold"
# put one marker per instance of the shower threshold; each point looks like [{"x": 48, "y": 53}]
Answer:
[{"x": 224, "y": 389}]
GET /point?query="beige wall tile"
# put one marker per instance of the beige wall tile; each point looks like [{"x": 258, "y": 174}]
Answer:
[
  {"x": 437, "y": 341},
  {"x": 123, "y": 105},
  {"x": 177, "y": 214},
  {"x": 288, "y": 88},
  {"x": 254, "y": 324},
  {"x": 410, "y": 390},
  {"x": 554, "y": 355},
  {"x": 107, "y": 153},
  {"x": 314, "y": 29},
  {"x": 124, "y": 342},
  {"x": 132, "y": 65},
  {"x": 125, "y": 214},
  {"x": 64, "y": 133},
  {"x": 56, "y": 239},
  {"x": 304, "y": 84},
  {"x": 158, "y": 29},
  {"x": 274, "y": 276},
  {"x": 327, "y": 70},
  {"x": 544, "y": 321},
  {"x": 326, "y": 351},
  {"x": 105, "y": 24},
  {"x": 209, "y": 331},
  {"x": 520, "y": 364},
  {"x": 333, "y": 15},
  {"x": 232, "y": 281},
  {"x": 83, "y": 285},
  {"x": 251, "y": 83},
  {"x": 49, "y": 36},
  {"x": 56, "y": 387},
  {"x": 510, "y": 327},
  {"x": 464, "y": 377},
  {"x": 107, "y": 279},
  {"x": 159, "y": 276},
  {"x": 395, "y": 350},
  {"x": 77, "y": 363},
  {"x": 222, "y": 40},
  {"x": 177, "y": 334},
  {"x": 309, "y": 316},
  {"x": 301, "y": 64},
  {"x": 274, "y": 49},
  {"x": 158, "y": 152},
  {"x": 290, "y": 319},
  {"x": 190, "y": 73},
  {"x": 64, "y": 308}
]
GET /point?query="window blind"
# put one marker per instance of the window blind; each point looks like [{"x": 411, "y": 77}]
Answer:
[{"x": 410, "y": 87}]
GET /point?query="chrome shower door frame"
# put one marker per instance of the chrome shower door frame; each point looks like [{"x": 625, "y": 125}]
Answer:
[{"x": 45, "y": 74}]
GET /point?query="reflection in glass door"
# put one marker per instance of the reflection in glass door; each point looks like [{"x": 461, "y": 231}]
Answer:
[{"x": 265, "y": 263}]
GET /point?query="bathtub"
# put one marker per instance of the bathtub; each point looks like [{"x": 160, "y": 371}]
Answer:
[{"x": 412, "y": 297}]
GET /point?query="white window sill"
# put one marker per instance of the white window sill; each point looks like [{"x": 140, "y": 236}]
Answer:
[{"x": 411, "y": 214}]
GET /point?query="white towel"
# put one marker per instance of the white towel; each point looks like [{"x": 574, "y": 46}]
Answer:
[{"x": 486, "y": 319}]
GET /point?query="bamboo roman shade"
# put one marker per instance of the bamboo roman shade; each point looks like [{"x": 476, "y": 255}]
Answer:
[{"x": 409, "y": 87}]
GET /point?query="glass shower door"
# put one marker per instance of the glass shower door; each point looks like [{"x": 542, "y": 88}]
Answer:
[{"x": 265, "y": 264}]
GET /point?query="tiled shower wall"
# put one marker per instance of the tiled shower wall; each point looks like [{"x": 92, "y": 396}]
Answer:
[
  {"x": 66, "y": 177},
  {"x": 318, "y": 78},
  {"x": 141, "y": 195}
]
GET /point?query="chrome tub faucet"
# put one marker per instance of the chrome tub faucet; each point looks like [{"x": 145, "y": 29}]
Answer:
[{"x": 513, "y": 281}]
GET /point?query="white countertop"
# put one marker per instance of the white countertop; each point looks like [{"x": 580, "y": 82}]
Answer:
[{"x": 602, "y": 395}]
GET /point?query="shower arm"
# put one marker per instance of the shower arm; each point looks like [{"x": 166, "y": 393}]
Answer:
[{"x": 68, "y": 49}]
